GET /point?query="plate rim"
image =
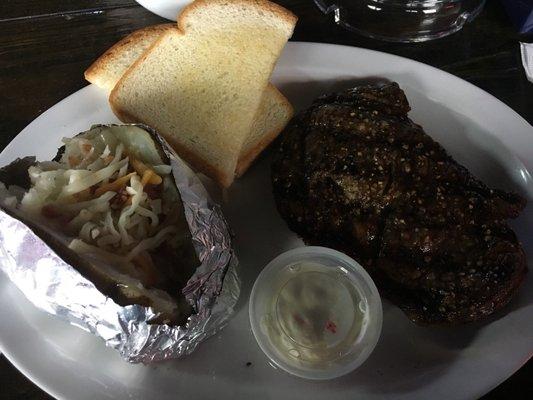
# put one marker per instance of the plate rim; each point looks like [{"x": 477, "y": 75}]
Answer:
[{"x": 342, "y": 48}]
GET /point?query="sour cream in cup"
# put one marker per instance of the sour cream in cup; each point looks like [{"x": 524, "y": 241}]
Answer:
[{"x": 315, "y": 313}]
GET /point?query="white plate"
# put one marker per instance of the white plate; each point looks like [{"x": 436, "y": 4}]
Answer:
[
  {"x": 409, "y": 362},
  {"x": 164, "y": 8}
]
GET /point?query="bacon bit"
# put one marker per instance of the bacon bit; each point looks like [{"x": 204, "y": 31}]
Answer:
[
  {"x": 120, "y": 199},
  {"x": 298, "y": 319},
  {"x": 330, "y": 326},
  {"x": 153, "y": 191},
  {"x": 142, "y": 170},
  {"x": 50, "y": 211},
  {"x": 114, "y": 186},
  {"x": 74, "y": 160},
  {"x": 143, "y": 261}
]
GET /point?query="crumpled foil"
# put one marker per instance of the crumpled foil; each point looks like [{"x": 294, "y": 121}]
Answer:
[{"x": 55, "y": 286}]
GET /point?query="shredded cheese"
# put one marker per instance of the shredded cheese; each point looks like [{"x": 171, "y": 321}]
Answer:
[
  {"x": 114, "y": 186},
  {"x": 98, "y": 195},
  {"x": 145, "y": 171}
]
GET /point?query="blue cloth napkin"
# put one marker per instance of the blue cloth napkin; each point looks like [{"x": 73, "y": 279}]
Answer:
[{"x": 521, "y": 13}]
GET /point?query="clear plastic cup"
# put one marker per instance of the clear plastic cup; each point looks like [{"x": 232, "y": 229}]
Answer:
[{"x": 315, "y": 313}]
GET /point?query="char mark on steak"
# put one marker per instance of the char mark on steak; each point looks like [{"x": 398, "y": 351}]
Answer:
[{"x": 353, "y": 172}]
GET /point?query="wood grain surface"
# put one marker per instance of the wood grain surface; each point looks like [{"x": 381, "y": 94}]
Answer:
[{"x": 46, "y": 45}]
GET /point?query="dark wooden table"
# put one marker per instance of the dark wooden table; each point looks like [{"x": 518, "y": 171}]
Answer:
[{"x": 46, "y": 45}]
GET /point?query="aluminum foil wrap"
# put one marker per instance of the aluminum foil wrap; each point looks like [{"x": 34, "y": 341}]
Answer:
[{"x": 55, "y": 286}]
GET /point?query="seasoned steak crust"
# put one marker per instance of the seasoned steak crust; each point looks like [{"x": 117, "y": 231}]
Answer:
[{"x": 353, "y": 172}]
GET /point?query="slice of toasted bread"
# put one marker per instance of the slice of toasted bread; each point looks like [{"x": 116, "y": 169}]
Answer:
[
  {"x": 201, "y": 86},
  {"x": 273, "y": 114}
]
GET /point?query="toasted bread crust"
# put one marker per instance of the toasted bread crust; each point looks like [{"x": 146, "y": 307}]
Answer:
[
  {"x": 97, "y": 71},
  {"x": 267, "y": 6},
  {"x": 113, "y": 93}
]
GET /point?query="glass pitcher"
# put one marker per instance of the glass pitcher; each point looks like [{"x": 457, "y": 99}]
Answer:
[{"x": 402, "y": 21}]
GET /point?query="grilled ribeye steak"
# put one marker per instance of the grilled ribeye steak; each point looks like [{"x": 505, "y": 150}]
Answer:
[{"x": 353, "y": 172}]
